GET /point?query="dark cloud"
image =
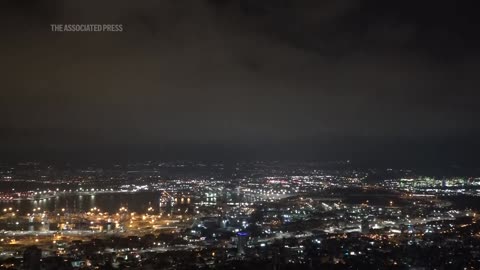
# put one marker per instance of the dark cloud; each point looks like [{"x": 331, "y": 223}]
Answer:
[{"x": 238, "y": 72}]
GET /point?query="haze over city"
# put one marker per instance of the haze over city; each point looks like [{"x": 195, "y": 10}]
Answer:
[{"x": 222, "y": 134}]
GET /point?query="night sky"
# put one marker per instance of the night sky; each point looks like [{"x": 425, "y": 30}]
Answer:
[{"x": 289, "y": 79}]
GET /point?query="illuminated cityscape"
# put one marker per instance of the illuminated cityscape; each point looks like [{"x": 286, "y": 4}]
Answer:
[
  {"x": 239, "y": 135},
  {"x": 271, "y": 215}
]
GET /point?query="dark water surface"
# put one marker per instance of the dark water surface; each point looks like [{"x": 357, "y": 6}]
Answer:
[{"x": 110, "y": 202}]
